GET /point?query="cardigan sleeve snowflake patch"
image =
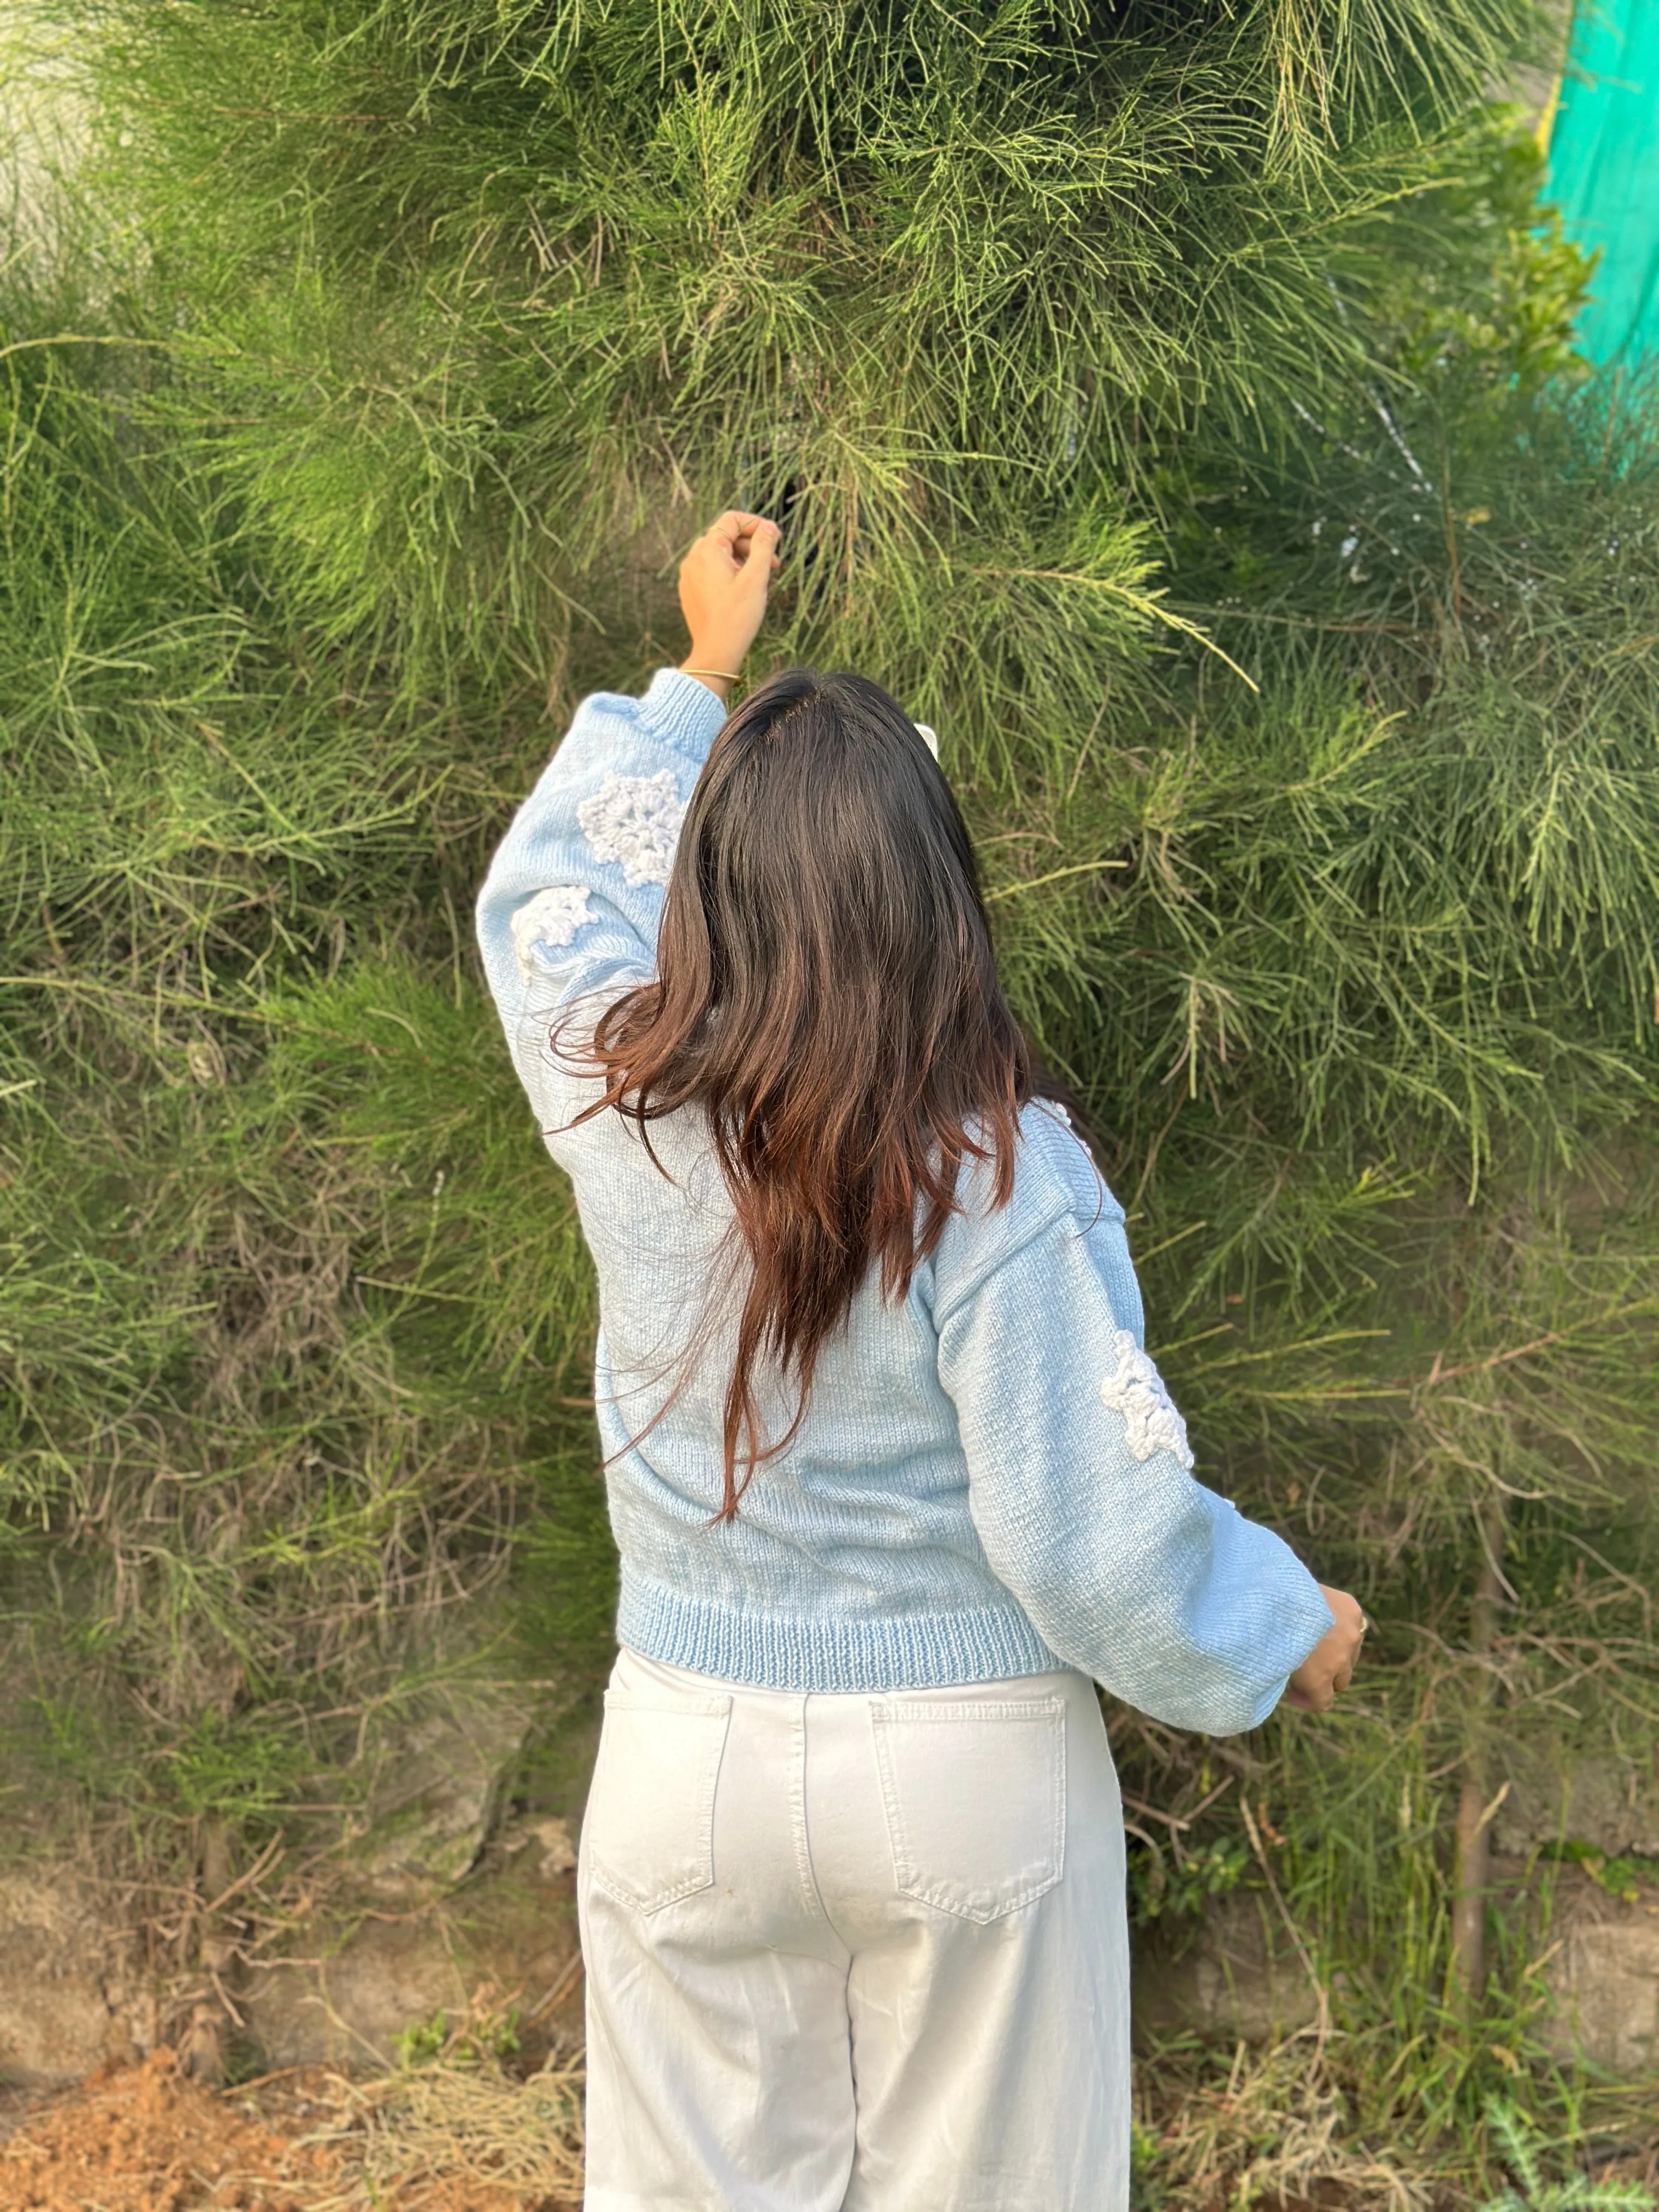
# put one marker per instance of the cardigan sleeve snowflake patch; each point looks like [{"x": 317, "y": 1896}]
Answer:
[
  {"x": 547, "y": 923},
  {"x": 634, "y": 821},
  {"x": 1135, "y": 1389}
]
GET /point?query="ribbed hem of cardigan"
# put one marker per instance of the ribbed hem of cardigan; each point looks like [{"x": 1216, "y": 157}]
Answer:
[{"x": 905, "y": 1652}]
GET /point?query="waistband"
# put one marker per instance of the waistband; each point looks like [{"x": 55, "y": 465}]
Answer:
[{"x": 634, "y": 1673}]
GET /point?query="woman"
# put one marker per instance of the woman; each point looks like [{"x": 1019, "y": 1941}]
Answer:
[{"x": 894, "y": 1482}]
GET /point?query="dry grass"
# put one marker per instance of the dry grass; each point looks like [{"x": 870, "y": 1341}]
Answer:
[
  {"x": 481, "y": 2125},
  {"x": 443, "y": 2136},
  {"x": 1278, "y": 2126}
]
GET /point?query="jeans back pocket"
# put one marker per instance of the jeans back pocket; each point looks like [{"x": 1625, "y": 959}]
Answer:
[
  {"x": 974, "y": 1793},
  {"x": 648, "y": 1832}
]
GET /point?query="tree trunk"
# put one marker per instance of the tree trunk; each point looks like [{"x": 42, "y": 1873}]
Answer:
[
  {"x": 1470, "y": 1850},
  {"x": 201, "y": 2053}
]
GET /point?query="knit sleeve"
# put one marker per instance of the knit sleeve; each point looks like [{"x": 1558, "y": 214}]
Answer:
[
  {"x": 1081, "y": 1489},
  {"x": 574, "y": 896}
]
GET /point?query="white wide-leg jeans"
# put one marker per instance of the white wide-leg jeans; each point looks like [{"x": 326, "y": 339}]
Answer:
[{"x": 855, "y": 1954}]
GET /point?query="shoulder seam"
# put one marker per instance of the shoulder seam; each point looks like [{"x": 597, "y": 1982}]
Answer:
[{"x": 1067, "y": 1210}]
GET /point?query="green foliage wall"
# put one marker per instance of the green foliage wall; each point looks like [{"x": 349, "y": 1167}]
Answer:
[{"x": 391, "y": 354}]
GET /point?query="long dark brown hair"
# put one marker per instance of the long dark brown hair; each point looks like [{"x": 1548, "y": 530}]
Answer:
[{"x": 826, "y": 994}]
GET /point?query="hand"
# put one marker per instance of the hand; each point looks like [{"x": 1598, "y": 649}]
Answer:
[
  {"x": 724, "y": 580},
  {"x": 1328, "y": 1667}
]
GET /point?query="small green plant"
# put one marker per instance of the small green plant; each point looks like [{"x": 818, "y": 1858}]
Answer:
[
  {"x": 420, "y": 2042},
  {"x": 1147, "y": 2188},
  {"x": 1620, "y": 1877},
  {"x": 484, "y": 2035},
  {"x": 1159, "y": 1891},
  {"x": 1530, "y": 2192}
]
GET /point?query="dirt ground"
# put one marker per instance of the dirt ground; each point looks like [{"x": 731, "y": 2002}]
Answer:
[
  {"x": 448, "y": 2138},
  {"x": 141, "y": 2138}
]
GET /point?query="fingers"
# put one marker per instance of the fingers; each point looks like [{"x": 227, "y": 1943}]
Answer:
[
  {"x": 1328, "y": 1669},
  {"x": 734, "y": 523},
  {"x": 726, "y": 529},
  {"x": 757, "y": 551},
  {"x": 734, "y": 529},
  {"x": 760, "y": 543},
  {"x": 738, "y": 534},
  {"x": 1349, "y": 1624},
  {"x": 1318, "y": 1699}
]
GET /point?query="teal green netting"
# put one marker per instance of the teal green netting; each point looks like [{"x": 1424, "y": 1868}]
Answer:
[{"x": 1604, "y": 171}]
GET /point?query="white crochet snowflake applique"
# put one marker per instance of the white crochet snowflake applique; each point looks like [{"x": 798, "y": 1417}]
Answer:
[
  {"x": 634, "y": 820},
  {"x": 547, "y": 921},
  {"x": 1136, "y": 1390}
]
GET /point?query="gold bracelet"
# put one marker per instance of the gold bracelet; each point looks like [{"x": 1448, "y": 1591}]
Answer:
[{"x": 726, "y": 675}]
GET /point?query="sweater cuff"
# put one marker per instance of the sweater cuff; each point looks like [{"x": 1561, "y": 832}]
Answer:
[
  {"x": 683, "y": 713},
  {"x": 1268, "y": 1701}
]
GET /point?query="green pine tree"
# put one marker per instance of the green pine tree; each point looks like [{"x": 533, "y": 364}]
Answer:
[{"x": 1175, "y": 407}]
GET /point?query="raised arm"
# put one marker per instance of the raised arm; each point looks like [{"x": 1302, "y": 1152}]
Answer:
[
  {"x": 577, "y": 883},
  {"x": 1081, "y": 1488},
  {"x": 574, "y": 896}
]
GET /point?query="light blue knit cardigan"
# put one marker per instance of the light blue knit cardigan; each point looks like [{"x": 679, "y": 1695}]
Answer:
[{"x": 990, "y": 1479}]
